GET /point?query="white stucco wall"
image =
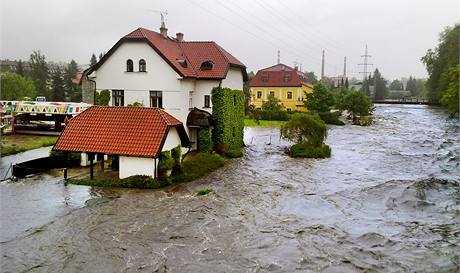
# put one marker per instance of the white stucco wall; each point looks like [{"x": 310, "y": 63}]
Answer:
[
  {"x": 172, "y": 140},
  {"x": 234, "y": 79},
  {"x": 130, "y": 165}
]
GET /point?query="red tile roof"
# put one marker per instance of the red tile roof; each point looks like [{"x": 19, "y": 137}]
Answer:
[
  {"x": 135, "y": 131},
  {"x": 193, "y": 53},
  {"x": 279, "y": 75}
]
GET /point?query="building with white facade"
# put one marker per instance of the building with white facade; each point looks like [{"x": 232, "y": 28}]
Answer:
[{"x": 156, "y": 70}]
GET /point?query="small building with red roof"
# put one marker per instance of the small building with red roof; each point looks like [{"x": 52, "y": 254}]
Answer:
[
  {"x": 170, "y": 73},
  {"x": 287, "y": 84},
  {"x": 136, "y": 135}
]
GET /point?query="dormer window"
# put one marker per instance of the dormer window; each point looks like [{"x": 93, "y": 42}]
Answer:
[
  {"x": 142, "y": 65},
  {"x": 182, "y": 63},
  {"x": 265, "y": 78},
  {"x": 129, "y": 65},
  {"x": 287, "y": 78},
  {"x": 207, "y": 65}
]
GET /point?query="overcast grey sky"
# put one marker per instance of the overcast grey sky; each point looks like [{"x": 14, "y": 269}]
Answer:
[{"x": 397, "y": 32}]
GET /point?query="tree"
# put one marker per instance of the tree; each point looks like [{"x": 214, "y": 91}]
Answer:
[
  {"x": 320, "y": 100},
  {"x": 450, "y": 97},
  {"x": 102, "y": 98},
  {"x": 93, "y": 60},
  {"x": 305, "y": 128},
  {"x": 272, "y": 109},
  {"x": 57, "y": 85},
  {"x": 39, "y": 72},
  {"x": 411, "y": 86},
  {"x": 16, "y": 87},
  {"x": 357, "y": 104},
  {"x": 20, "y": 68},
  {"x": 380, "y": 86},
  {"x": 346, "y": 83},
  {"x": 440, "y": 60},
  {"x": 71, "y": 89},
  {"x": 311, "y": 77},
  {"x": 396, "y": 85},
  {"x": 101, "y": 55}
]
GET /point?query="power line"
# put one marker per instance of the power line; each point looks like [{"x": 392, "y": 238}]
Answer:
[{"x": 365, "y": 64}]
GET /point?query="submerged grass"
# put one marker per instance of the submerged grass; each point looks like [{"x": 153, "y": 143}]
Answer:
[
  {"x": 263, "y": 123},
  {"x": 14, "y": 144},
  {"x": 204, "y": 191}
]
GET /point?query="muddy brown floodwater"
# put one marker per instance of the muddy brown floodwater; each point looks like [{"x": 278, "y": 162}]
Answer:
[{"x": 388, "y": 200}]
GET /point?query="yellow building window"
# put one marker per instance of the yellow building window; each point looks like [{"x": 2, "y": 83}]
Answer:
[
  {"x": 259, "y": 94},
  {"x": 289, "y": 95},
  {"x": 272, "y": 93}
]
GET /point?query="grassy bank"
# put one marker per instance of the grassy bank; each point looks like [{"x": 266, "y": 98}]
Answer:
[
  {"x": 263, "y": 123},
  {"x": 13, "y": 144},
  {"x": 193, "y": 167}
]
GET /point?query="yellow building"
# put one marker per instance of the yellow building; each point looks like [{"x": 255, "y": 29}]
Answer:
[{"x": 282, "y": 82}]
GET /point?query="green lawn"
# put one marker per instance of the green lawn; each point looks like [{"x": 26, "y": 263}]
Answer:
[
  {"x": 263, "y": 123},
  {"x": 14, "y": 144}
]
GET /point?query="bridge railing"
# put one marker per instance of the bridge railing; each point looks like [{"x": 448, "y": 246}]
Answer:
[{"x": 37, "y": 107}]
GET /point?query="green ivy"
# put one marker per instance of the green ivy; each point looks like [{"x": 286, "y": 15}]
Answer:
[
  {"x": 228, "y": 116},
  {"x": 204, "y": 140},
  {"x": 176, "y": 155},
  {"x": 165, "y": 163}
]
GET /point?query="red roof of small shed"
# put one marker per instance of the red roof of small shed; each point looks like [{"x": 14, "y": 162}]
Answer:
[{"x": 135, "y": 131}]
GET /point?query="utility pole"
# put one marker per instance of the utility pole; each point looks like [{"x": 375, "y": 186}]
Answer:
[
  {"x": 279, "y": 56},
  {"x": 365, "y": 64},
  {"x": 322, "y": 66}
]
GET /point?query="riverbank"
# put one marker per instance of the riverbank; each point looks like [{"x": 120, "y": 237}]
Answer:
[{"x": 14, "y": 144}]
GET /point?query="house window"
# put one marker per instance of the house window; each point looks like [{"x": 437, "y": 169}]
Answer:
[
  {"x": 272, "y": 94},
  {"x": 289, "y": 95},
  {"x": 207, "y": 101},
  {"x": 142, "y": 65},
  {"x": 288, "y": 109},
  {"x": 129, "y": 65},
  {"x": 156, "y": 99},
  {"x": 207, "y": 65},
  {"x": 287, "y": 78},
  {"x": 259, "y": 94},
  {"x": 265, "y": 78},
  {"x": 118, "y": 98}
]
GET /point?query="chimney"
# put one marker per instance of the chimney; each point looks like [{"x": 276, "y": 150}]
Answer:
[
  {"x": 180, "y": 36},
  {"x": 163, "y": 30},
  {"x": 296, "y": 68}
]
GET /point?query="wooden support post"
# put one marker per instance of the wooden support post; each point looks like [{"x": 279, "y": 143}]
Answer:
[
  {"x": 65, "y": 159},
  {"x": 91, "y": 165},
  {"x": 102, "y": 161}
]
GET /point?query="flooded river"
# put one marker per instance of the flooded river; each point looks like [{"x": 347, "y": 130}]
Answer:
[{"x": 388, "y": 200}]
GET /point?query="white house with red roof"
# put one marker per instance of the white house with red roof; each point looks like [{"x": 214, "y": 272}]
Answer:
[{"x": 170, "y": 73}]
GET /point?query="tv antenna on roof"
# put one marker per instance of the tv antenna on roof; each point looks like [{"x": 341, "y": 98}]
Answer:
[{"x": 163, "y": 15}]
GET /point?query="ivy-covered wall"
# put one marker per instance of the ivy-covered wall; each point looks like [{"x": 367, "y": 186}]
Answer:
[{"x": 228, "y": 116}]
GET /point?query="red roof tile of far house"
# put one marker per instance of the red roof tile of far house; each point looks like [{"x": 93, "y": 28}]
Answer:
[
  {"x": 276, "y": 79},
  {"x": 135, "y": 131},
  {"x": 193, "y": 53}
]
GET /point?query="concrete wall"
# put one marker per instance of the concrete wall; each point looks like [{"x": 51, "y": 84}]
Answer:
[{"x": 130, "y": 165}]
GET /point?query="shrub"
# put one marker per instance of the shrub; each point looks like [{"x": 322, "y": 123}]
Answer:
[
  {"x": 358, "y": 104},
  {"x": 135, "y": 181},
  {"x": 102, "y": 98},
  {"x": 320, "y": 100},
  {"x": 306, "y": 150},
  {"x": 363, "y": 121},
  {"x": 221, "y": 148},
  {"x": 305, "y": 128},
  {"x": 176, "y": 155},
  {"x": 331, "y": 118},
  {"x": 198, "y": 166},
  {"x": 136, "y": 104},
  {"x": 73, "y": 158},
  {"x": 165, "y": 163},
  {"x": 204, "y": 140},
  {"x": 234, "y": 153},
  {"x": 204, "y": 191}
]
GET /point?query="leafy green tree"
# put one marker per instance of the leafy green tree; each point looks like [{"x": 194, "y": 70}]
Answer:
[
  {"x": 39, "y": 72},
  {"x": 305, "y": 128},
  {"x": 396, "y": 85},
  {"x": 16, "y": 87},
  {"x": 411, "y": 86},
  {"x": 440, "y": 60},
  {"x": 357, "y": 104},
  {"x": 450, "y": 97},
  {"x": 311, "y": 77},
  {"x": 20, "y": 68},
  {"x": 320, "y": 100},
  {"x": 72, "y": 89},
  {"x": 57, "y": 85},
  {"x": 380, "y": 86},
  {"x": 102, "y": 98},
  {"x": 93, "y": 60},
  {"x": 271, "y": 105},
  {"x": 420, "y": 85}
]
